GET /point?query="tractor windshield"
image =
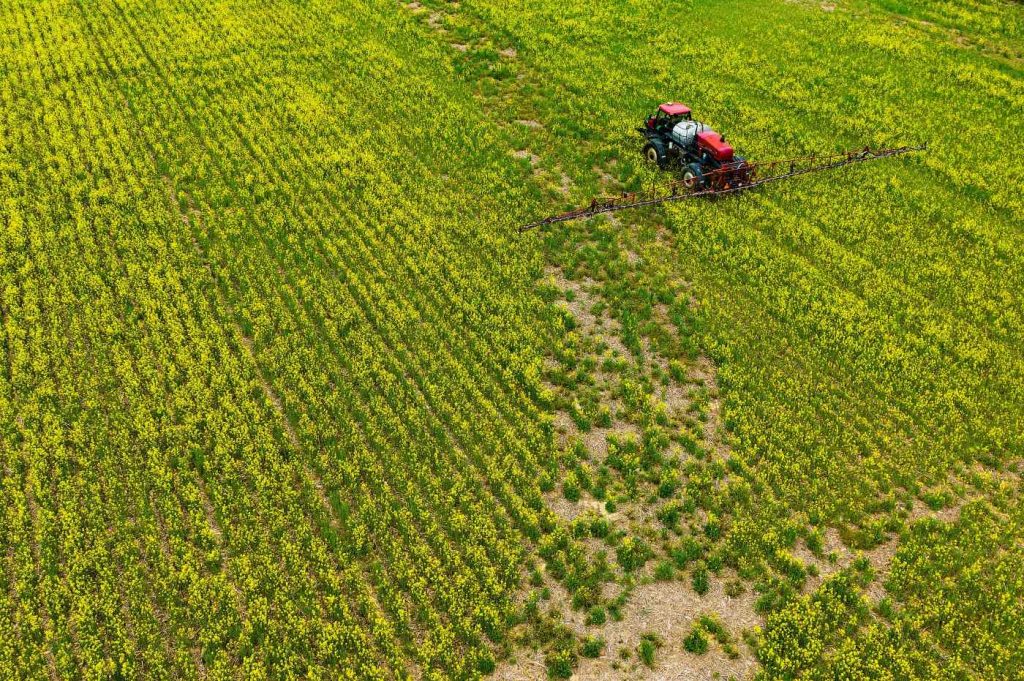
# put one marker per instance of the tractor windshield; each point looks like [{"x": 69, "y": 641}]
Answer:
[{"x": 660, "y": 120}]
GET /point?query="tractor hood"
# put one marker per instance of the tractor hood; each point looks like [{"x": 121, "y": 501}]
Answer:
[{"x": 715, "y": 145}]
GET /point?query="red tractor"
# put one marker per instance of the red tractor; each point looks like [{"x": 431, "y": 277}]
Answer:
[{"x": 675, "y": 140}]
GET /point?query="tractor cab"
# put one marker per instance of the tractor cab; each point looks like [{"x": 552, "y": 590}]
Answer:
[
  {"x": 675, "y": 140},
  {"x": 667, "y": 116}
]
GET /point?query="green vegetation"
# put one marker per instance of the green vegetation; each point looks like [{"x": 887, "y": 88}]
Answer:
[
  {"x": 283, "y": 393},
  {"x": 649, "y": 644},
  {"x": 696, "y": 641},
  {"x": 592, "y": 646}
]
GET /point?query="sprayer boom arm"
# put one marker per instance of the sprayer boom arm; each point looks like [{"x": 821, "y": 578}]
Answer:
[{"x": 722, "y": 181}]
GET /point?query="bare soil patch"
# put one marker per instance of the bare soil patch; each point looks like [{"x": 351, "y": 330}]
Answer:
[
  {"x": 523, "y": 153},
  {"x": 880, "y": 559},
  {"x": 565, "y": 184},
  {"x": 947, "y": 514},
  {"x": 604, "y": 327},
  {"x": 668, "y": 609}
]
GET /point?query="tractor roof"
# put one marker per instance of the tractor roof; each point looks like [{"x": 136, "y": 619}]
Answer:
[{"x": 674, "y": 108}]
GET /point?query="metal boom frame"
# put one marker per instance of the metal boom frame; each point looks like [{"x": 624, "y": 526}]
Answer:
[{"x": 724, "y": 181}]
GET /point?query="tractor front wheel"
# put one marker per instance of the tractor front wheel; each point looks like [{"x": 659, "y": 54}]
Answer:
[
  {"x": 693, "y": 177},
  {"x": 655, "y": 153}
]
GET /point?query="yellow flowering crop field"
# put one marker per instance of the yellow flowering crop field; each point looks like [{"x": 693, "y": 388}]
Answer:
[{"x": 285, "y": 394}]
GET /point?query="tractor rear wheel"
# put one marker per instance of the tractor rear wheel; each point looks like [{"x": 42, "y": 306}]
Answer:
[
  {"x": 693, "y": 177},
  {"x": 655, "y": 153}
]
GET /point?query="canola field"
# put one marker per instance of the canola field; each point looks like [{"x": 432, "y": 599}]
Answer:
[{"x": 284, "y": 394}]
